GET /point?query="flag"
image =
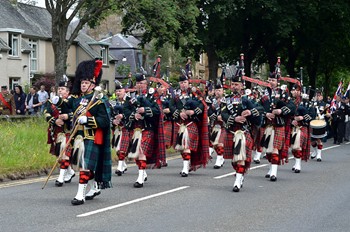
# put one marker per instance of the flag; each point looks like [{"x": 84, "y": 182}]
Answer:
[
  {"x": 338, "y": 92},
  {"x": 347, "y": 92}
]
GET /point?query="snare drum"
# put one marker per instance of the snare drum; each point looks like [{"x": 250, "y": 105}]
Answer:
[{"x": 318, "y": 129}]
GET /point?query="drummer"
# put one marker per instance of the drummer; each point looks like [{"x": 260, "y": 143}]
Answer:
[{"x": 321, "y": 113}]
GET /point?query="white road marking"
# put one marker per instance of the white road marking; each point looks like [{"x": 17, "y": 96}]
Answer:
[
  {"x": 330, "y": 147},
  {"x": 24, "y": 182},
  {"x": 131, "y": 202}
]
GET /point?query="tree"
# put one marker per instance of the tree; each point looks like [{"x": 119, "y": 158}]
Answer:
[
  {"x": 165, "y": 21},
  {"x": 88, "y": 11}
]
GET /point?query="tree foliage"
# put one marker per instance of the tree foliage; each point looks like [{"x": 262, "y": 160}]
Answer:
[
  {"x": 304, "y": 33},
  {"x": 171, "y": 21},
  {"x": 63, "y": 12}
]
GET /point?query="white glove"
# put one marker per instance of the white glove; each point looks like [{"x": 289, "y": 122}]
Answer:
[
  {"x": 82, "y": 120},
  {"x": 55, "y": 99}
]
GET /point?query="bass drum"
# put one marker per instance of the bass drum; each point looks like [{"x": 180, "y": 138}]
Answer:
[{"x": 318, "y": 129}]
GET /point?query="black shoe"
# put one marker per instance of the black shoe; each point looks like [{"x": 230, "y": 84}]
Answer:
[
  {"x": 338, "y": 143},
  {"x": 138, "y": 185},
  {"x": 335, "y": 142},
  {"x": 346, "y": 140},
  {"x": 77, "y": 202},
  {"x": 297, "y": 171},
  {"x": 319, "y": 160},
  {"x": 165, "y": 164},
  {"x": 273, "y": 178},
  {"x": 58, "y": 184},
  {"x": 183, "y": 174},
  {"x": 217, "y": 167},
  {"x": 119, "y": 173},
  {"x": 313, "y": 157},
  {"x": 93, "y": 196},
  {"x": 68, "y": 181},
  {"x": 267, "y": 176},
  {"x": 257, "y": 161},
  {"x": 235, "y": 189},
  {"x": 293, "y": 168}
]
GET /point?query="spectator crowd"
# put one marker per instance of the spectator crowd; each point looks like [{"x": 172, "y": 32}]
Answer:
[{"x": 17, "y": 102}]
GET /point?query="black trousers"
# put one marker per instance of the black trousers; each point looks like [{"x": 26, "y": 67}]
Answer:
[{"x": 338, "y": 131}]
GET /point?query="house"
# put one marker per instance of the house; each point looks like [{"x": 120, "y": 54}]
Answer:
[
  {"x": 26, "y": 49},
  {"x": 128, "y": 52}
]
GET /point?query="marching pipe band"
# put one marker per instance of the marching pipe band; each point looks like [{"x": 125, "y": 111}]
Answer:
[{"x": 237, "y": 124}]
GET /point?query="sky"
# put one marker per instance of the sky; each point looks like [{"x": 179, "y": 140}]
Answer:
[{"x": 40, "y": 3}]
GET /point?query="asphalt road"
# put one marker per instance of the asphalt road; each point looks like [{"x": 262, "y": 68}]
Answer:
[{"x": 317, "y": 199}]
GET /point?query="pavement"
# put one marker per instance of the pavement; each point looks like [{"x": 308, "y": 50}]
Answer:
[{"x": 317, "y": 199}]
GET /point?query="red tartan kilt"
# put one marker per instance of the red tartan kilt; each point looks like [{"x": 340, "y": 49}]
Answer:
[
  {"x": 286, "y": 145},
  {"x": 192, "y": 133},
  {"x": 306, "y": 149},
  {"x": 280, "y": 135},
  {"x": 222, "y": 135},
  {"x": 168, "y": 133},
  {"x": 278, "y": 141},
  {"x": 303, "y": 138},
  {"x": 125, "y": 140},
  {"x": 228, "y": 145},
  {"x": 256, "y": 137},
  {"x": 147, "y": 142}
]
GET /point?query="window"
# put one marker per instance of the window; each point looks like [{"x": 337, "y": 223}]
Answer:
[
  {"x": 13, "y": 82},
  {"x": 33, "y": 55},
  {"x": 201, "y": 59},
  {"x": 104, "y": 55},
  {"x": 14, "y": 44}
]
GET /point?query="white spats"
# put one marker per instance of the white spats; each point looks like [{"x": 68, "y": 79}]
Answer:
[
  {"x": 297, "y": 166},
  {"x": 125, "y": 167},
  {"x": 219, "y": 161},
  {"x": 269, "y": 172},
  {"x": 121, "y": 165},
  {"x": 185, "y": 167},
  {"x": 314, "y": 152},
  {"x": 257, "y": 156},
  {"x": 61, "y": 175},
  {"x": 238, "y": 182},
  {"x": 273, "y": 175},
  {"x": 69, "y": 175},
  {"x": 318, "y": 155},
  {"x": 211, "y": 152},
  {"x": 81, "y": 192},
  {"x": 94, "y": 190},
  {"x": 141, "y": 177}
]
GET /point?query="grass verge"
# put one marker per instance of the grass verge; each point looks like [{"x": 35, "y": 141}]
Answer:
[{"x": 23, "y": 146}]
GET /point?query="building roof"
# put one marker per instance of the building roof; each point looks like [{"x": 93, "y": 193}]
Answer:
[
  {"x": 3, "y": 46},
  {"x": 119, "y": 41},
  {"x": 35, "y": 21},
  {"x": 85, "y": 41},
  {"x": 25, "y": 47}
]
